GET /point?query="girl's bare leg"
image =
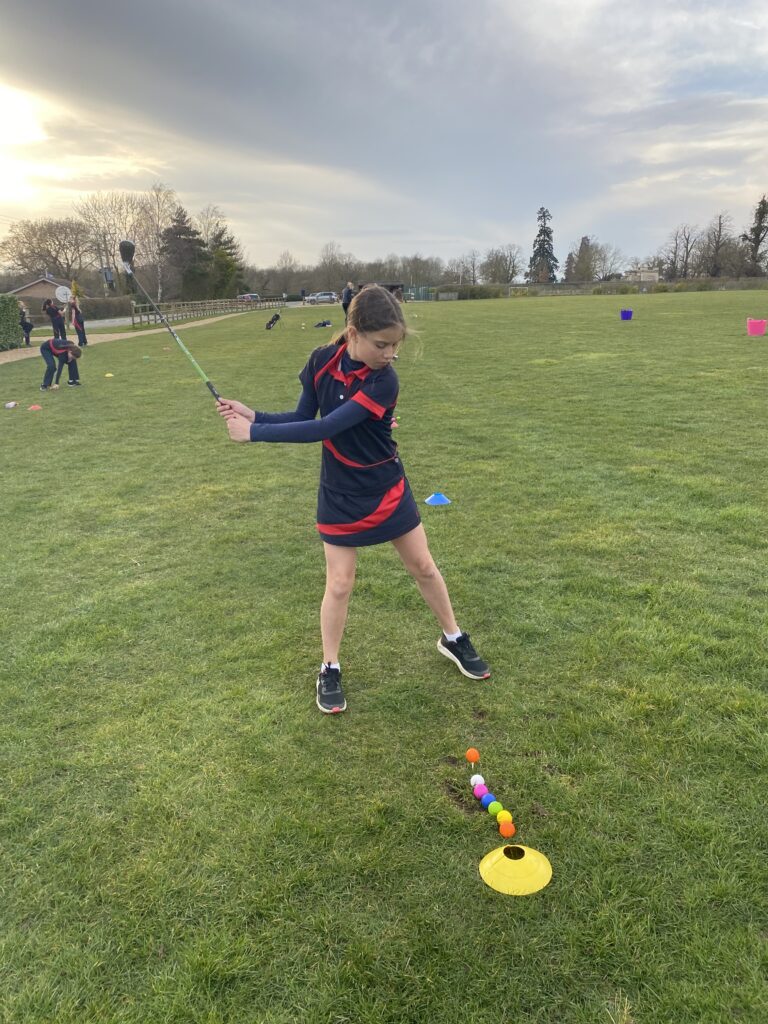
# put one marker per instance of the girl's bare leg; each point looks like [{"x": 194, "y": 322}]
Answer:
[
  {"x": 414, "y": 552},
  {"x": 339, "y": 581}
]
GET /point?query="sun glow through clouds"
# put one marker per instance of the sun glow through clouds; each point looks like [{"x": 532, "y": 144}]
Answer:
[{"x": 22, "y": 129}]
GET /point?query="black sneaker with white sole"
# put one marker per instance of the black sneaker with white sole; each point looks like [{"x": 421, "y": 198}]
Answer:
[
  {"x": 463, "y": 654},
  {"x": 330, "y": 696}
]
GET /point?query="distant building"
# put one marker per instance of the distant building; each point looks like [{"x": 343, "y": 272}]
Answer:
[
  {"x": 643, "y": 275},
  {"x": 40, "y": 289}
]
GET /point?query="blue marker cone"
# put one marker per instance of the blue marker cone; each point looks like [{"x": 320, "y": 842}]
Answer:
[{"x": 437, "y": 499}]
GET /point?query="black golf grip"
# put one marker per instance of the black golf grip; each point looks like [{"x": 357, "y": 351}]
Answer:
[{"x": 213, "y": 390}]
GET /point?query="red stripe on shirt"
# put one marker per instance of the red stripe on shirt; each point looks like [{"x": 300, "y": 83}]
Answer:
[
  {"x": 366, "y": 401},
  {"x": 383, "y": 511},
  {"x": 348, "y": 462}
]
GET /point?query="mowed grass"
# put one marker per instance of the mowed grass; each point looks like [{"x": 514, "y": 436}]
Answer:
[{"x": 184, "y": 838}]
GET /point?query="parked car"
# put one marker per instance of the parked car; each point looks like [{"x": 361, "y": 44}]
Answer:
[
  {"x": 249, "y": 297},
  {"x": 317, "y": 297}
]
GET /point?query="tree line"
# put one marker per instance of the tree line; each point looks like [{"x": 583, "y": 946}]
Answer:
[
  {"x": 184, "y": 256},
  {"x": 188, "y": 256},
  {"x": 717, "y": 250}
]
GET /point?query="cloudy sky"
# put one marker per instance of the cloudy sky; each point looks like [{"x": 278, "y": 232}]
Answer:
[{"x": 407, "y": 126}]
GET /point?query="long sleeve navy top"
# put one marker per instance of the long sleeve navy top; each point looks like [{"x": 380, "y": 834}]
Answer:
[{"x": 356, "y": 405}]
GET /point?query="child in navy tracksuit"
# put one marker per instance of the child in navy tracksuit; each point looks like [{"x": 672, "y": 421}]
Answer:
[
  {"x": 25, "y": 324},
  {"x": 57, "y": 320},
  {"x": 67, "y": 355},
  {"x": 78, "y": 322},
  {"x": 364, "y": 496}
]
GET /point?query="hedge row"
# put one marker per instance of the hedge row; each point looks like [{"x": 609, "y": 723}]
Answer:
[
  {"x": 106, "y": 309},
  {"x": 10, "y": 332},
  {"x": 473, "y": 291}
]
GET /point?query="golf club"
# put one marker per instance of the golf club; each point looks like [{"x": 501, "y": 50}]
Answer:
[{"x": 127, "y": 250}]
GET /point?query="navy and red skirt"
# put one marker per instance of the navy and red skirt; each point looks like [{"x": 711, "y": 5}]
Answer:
[{"x": 357, "y": 520}]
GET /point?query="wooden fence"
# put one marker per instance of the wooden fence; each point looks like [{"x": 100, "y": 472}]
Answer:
[{"x": 145, "y": 313}]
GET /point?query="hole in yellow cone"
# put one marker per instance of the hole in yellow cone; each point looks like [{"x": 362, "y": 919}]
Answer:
[{"x": 514, "y": 852}]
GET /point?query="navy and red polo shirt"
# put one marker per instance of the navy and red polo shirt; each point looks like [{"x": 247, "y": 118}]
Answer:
[
  {"x": 360, "y": 458},
  {"x": 57, "y": 347}
]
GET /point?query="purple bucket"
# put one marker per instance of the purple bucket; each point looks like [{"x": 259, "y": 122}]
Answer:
[{"x": 626, "y": 314}]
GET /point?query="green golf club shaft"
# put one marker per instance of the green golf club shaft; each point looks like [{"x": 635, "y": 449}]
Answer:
[{"x": 177, "y": 339}]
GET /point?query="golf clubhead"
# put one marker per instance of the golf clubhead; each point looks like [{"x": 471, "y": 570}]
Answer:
[{"x": 127, "y": 252}]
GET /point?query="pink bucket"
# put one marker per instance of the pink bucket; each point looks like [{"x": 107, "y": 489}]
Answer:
[{"x": 756, "y": 327}]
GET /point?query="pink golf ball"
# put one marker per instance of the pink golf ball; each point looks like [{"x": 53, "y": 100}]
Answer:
[{"x": 480, "y": 790}]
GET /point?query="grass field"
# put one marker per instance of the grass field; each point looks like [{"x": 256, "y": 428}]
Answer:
[{"x": 184, "y": 838}]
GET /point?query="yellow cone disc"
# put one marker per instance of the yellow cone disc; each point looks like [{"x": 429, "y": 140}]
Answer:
[{"x": 515, "y": 870}]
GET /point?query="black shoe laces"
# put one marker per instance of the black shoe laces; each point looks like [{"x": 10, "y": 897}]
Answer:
[
  {"x": 464, "y": 644},
  {"x": 330, "y": 681}
]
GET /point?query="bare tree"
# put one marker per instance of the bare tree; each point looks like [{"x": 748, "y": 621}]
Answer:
[
  {"x": 609, "y": 261},
  {"x": 336, "y": 266},
  {"x": 502, "y": 265},
  {"x": 457, "y": 271},
  {"x": 472, "y": 263},
  {"x": 111, "y": 217},
  {"x": 393, "y": 269},
  {"x": 156, "y": 214},
  {"x": 210, "y": 219},
  {"x": 714, "y": 243},
  {"x": 690, "y": 238},
  {"x": 59, "y": 247},
  {"x": 414, "y": 270},
  {"x": 285, "y": 271},
  {"x": 678, "y": 255}
]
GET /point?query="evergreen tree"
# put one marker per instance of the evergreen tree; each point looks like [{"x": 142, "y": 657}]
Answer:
[
  {"x": 755, "y": 239},
  {"x": 187, "y": 256},
  {"x": 543, "y": 265},
  {"x": 584, "y": 266},
  {"x": 225, "y": 277},
  {"x": 570, "y": 264},
  {"x": 222, "y": 238},
  {"x": 227, "y": 272}
]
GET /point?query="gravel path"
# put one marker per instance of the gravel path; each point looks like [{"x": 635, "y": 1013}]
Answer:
[{"x": 26, "y": 353}]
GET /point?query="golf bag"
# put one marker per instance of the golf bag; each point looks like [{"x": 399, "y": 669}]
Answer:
[{"x": 272, "y": 321}]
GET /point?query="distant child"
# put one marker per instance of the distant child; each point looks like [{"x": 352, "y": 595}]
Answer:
[
  {"x": 346, "y": 298},
  {"x": 364, "y": 497},
  {"x": 67, "y": 355},
  {"x": 57, "y": 320},
  {"x": 25, "y": 324},
  {"x": 77, "y": 320}
]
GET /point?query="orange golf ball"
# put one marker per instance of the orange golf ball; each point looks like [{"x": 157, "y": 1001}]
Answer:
[
  {"x": 507, "y": 829},
  {"x": 472, "y": 755}
]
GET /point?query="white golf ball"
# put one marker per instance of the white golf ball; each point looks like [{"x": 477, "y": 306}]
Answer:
[{"x": 477, "y": 780}]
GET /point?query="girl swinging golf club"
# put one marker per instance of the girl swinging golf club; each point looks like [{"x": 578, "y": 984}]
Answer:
[{"x": 364, "y": 496}]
